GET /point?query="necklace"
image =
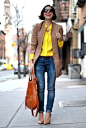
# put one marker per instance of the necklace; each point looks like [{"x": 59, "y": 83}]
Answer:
[{"x": 47, "y": 29}]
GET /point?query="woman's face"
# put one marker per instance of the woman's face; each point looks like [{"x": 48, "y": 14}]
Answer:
[{"x": 48, "y": 13}]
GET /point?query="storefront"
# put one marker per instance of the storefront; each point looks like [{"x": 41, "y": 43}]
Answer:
[{"x": 81, "y": 52}]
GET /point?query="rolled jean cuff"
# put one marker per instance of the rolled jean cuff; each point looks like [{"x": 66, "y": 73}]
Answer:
[
  {"x": 49, "y": 111},
  {"x": 41, "y": 111}
]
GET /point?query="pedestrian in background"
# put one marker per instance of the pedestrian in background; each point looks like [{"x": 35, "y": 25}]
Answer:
[{"x": 47, "y": 38}]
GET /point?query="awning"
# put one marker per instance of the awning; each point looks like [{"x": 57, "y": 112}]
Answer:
[{"x": 81, "y": 28}]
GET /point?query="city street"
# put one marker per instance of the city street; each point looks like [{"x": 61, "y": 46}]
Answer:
[
  {"x": 9, "y": 75},
  {"x": 14, "y": 115},
  {"x": 52, "y": 29},
  {"x": 56, "y": 31},
  {"x": 6, "y": 72}
]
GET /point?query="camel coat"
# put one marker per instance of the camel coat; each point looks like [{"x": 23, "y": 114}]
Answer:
[{"x": 37, "y": 39}]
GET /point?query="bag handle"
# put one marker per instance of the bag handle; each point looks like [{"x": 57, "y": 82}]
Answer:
[{"x": 32, "y": 76}]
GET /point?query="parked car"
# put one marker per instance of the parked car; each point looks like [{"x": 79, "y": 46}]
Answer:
[
  {"x": 2, "y": 68},
  {"x": 8, "y": 66},
  {"x": 21, "y": 69}
]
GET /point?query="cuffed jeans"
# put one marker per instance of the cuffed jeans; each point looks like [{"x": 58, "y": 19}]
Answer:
[{"x": 42, "y": 64}]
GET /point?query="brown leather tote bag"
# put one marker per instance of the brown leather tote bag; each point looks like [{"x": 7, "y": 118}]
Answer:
[{"x": 31, "y": 98}]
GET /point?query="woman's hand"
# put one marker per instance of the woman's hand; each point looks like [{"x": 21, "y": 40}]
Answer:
[
  {"x": 58, "y": 35},
  {"x": 31, "y": 65}
]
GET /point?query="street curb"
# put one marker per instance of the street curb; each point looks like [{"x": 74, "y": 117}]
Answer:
[{"x": 14, "y": 78}]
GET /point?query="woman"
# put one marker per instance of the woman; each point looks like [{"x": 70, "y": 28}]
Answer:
[{"x": 47, "y": 38}]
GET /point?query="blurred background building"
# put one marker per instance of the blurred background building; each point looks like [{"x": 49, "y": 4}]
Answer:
[
  {"x": 9, "y": 42},
  {"x": 73, "y": 14}
]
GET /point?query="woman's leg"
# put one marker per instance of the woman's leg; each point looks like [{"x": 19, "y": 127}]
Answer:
[
  {"x": 40, "y": 74},
  {"x": 51, "y": 76}
]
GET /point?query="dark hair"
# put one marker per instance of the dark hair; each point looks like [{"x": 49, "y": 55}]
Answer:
[{"x": 41, "y": 17}]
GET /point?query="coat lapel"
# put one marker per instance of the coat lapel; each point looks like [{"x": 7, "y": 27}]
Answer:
[
  {"x": 53, "y": 35},
  {"x": 41, "y": 34},
  {"x": 52, "y": 32}
]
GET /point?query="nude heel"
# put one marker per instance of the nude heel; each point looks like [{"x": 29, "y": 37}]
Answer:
[
  {"x": 47, "y": 118},
  {"x": 41, "y": 120}
]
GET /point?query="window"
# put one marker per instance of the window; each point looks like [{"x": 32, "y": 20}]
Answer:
[
  {"x": 7, "y": 9},
  {"x": 85, "y": 48},
  {"x": 79, "y": 53},
  {"x": 82, "y": 43},
  {"x": 6, "y": 20},
  {"x": 64, "y": 9},
  {"x": 82, "y": 36},
  {"x": 75, "y": 2}
]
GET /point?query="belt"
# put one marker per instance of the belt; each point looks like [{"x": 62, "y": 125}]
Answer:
[{"x": 47, "y": 56}]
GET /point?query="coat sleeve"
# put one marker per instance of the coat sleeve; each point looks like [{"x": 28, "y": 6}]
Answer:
[
  {"x": 61, "y": 32},
  {"x": 34, "y": 39},
  {"x": 60, "y": 41}
]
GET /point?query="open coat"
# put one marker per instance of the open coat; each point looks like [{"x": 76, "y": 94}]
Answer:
[{"x": 37, "y": 39}]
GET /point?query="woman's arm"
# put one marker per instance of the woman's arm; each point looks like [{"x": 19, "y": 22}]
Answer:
[
  {"x": 33, "y": 47},
  {"x": 59, "y": 36},
  {"x": 34, "y": 39}
]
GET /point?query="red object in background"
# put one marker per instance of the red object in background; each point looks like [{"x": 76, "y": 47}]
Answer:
[
  {"x": 64, "y": 9},
  {"x": 28, "y": 48},
  {"x": 2, "y": 44}
]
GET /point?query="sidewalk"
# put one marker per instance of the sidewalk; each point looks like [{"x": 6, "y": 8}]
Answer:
[
  {"x": 9, "y": 77},
  {"x": 14, "y": 115},
  {"x": 12, "y": 76}
]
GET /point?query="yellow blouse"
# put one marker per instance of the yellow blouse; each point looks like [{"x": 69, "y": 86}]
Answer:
[{"x": 47, "y": 43}]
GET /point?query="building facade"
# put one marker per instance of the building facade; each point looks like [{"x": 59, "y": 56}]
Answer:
[
  {"x": 82, "y": 36},
  {"x": 23, "y": 47},
  {"x": 8, "y": 30},
  {"x": 74, "y": 29},
  {"x": 2, "y": 45},
  {"x": 74, "y": 49},
  {"x": 62, "y": 11}
]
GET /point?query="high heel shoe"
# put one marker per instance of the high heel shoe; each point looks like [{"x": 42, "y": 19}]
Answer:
[
  {"x": 40, "y": 121},
  {"x": 47, "y": 118}
]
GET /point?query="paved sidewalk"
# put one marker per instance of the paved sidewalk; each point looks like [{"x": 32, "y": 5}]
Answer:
[
  {"x": 9, "y": 77},
  {"x": 14, "y": 115}
]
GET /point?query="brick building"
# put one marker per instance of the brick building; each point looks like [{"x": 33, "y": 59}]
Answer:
[
  {"x": 2, "y": 45},
  {"x": 23, "y": 43},
  {"x": 82, "y": 36}
]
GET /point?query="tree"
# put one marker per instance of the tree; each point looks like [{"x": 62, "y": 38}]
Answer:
[
  {"x": 17, "y": 22},
  {"x": 24, "y": 47}
]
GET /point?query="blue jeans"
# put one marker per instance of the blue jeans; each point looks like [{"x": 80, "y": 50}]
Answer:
[{"x": 42, "y": 64}]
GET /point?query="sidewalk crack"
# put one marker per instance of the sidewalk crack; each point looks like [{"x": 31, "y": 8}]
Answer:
[{"x": 15, "y": 114}]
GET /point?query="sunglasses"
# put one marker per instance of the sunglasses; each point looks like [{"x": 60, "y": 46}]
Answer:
[{"x": 48, "y": 10}]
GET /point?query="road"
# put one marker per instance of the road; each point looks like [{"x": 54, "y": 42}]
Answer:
[
  {"x": 6, "y": 72},
  {"x": 6, "y": 75}
]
